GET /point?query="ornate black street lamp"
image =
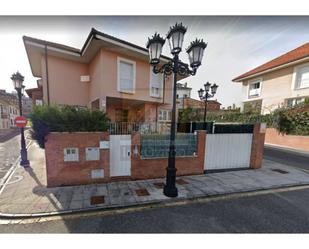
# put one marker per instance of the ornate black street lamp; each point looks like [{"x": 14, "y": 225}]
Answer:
[
  {"x": 204, "y": 97},
  {"x": 195, "y": 51},
  {"x": 18, "y": 80}
]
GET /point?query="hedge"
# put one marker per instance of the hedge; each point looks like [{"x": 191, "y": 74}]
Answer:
[
  {"x": 287, "y": 120},
  {"x": 46, "y": 119}
]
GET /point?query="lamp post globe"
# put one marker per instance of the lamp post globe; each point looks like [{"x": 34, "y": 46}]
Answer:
[
  {"x": 154, "y": 46},
  {"x": 174, "y": 66},
  {"x": 207, "y": 86},
  {"x": 175, "y": 37},
  {"x": 196, "y": 52},
  {"x": 18, "y": 80},
  {"x": 201, "y": 94}
]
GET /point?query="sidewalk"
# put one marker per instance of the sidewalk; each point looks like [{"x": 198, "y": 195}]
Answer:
[{"x": 26, "y": 193}]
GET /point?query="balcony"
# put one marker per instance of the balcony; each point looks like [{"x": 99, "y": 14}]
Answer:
[{"x": 254, "y": 92}]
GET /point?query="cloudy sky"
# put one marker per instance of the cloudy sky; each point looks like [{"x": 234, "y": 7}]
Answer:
[{"x": 235, "y": 44}]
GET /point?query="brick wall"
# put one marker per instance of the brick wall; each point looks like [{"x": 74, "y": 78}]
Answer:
[
  {"x": 60, "y": 173},
  {"x": 154, "y": 168},
  {"x": 295, "y": 142}
]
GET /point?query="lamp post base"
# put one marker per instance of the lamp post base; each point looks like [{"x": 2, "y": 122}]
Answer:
[
  {"x": 170, "y": 189},
  {"x": 24, "y": 158},
  {"x": 25, "y": 163}
]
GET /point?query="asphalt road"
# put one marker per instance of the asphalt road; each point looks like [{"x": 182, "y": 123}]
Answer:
[
  {"x": 288, "y": 157},
  {"x": 285, "y": 212},
  {"x": 9, "y": 152}
]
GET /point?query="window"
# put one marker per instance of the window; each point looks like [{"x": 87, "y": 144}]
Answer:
[
  {"x": 165, "y": 115},
  {"x": 38, "y": 102},
  {"x": 254, "y": 88},
  {"x": 126, "y": 76},
  {"x": 156, "y": 83},
  {"x": 302, "y": 77},
  {"x": 295, "y": 101},
  {"x": 71, "y": 155}
]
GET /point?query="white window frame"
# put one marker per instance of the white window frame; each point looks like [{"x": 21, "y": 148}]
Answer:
[
  {"x": 294, "y": 78},
  {"x": 154, "y": 85},
  {"x": 38, "y": 102},
  {"x": 67, "y": 157},
  {"x": 251, "y": 82},
  {"x": 167, "y": 114},
  {"x": 119, "y": 60}
]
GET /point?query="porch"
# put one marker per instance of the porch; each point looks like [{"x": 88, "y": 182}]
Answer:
[{"x": 129, "y": 116}]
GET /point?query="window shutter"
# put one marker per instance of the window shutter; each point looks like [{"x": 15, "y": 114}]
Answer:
[
  {"x": 126, "y": 76},
  {"x": 156, "y": 83}
]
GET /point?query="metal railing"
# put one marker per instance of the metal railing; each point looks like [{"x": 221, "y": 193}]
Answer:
[
  {"x": 126, "y": 128},
  {"x": 122, "y": 128}
]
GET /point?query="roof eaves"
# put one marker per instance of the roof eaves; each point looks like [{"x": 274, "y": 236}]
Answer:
[{"x": 277, "y": 67}]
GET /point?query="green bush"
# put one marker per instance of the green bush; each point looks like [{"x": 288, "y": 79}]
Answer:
[
  {"x": 287, "y": 120},
  {"x": 292, "y": 120},
  {"x": 55, "y": 118}
]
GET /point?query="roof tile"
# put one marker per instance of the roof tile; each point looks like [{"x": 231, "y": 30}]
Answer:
[{"x": 294, "y": 55}]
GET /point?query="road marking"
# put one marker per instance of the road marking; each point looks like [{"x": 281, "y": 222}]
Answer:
[
  {"x": 123, "y": 210},
  {"x": 11, "y": 171}
]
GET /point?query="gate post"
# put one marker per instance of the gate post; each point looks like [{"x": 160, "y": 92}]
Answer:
[{"x": 257, "y": 148}]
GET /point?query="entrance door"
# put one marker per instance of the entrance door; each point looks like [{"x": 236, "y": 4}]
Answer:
[{"x": 120, "y": 155}]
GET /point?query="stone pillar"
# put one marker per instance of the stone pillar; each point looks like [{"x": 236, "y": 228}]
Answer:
[{"x": 257, "y": 148}]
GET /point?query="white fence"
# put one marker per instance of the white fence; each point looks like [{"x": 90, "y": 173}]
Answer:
[{"x": 227, "y": 151}]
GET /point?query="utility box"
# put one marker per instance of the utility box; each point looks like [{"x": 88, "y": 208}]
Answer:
[
  {"x": 92, "y": 154},
  {"x": 97, "y": 173}
]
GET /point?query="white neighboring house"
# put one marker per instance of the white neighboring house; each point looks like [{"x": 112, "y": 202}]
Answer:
[
  {"x": 183, "y": 91},
  {"x": 283, "y": 81}
]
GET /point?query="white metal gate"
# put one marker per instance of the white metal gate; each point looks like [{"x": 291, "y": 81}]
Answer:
[
  {"x": 227, "y": 151},
  {"x": 120, "y": 155}
]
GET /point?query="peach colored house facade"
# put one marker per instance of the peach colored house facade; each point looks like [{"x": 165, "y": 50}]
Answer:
[
  {"x": 283, "y": 81},
  {"x": 106, "y": 74}
]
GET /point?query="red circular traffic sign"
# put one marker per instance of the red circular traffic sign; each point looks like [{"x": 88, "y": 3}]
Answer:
[{"x": 21, "y": 121}]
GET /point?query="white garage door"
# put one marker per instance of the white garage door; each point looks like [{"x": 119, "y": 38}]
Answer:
[{"x": 227, "y": 151}]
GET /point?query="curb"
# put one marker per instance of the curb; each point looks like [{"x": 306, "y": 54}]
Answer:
[{"x": 201, "y": 197}]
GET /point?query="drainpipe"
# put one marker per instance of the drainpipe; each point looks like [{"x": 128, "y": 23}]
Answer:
[{"x": 47, "y": 78}]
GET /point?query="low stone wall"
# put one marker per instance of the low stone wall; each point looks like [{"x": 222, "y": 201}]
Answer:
[
  {"x": 61, "y": 173},
  {"x": 156, "y": 167},
  {"x": 295, "y": 142}
]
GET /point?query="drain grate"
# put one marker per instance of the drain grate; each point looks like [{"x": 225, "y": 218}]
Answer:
[
  {"x": 181, "y": 181},
  {"x": 142, "y": 192},
  {"x": 97, "y": 200},
  {"x": 280, "y": 171},
  {"x": 159, "y": 185}
]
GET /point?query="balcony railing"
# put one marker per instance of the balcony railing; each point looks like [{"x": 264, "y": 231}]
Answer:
[{"x": 254, "y": 92}]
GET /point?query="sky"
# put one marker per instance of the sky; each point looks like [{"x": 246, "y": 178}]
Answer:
[{"x": 235, "y": 44}]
